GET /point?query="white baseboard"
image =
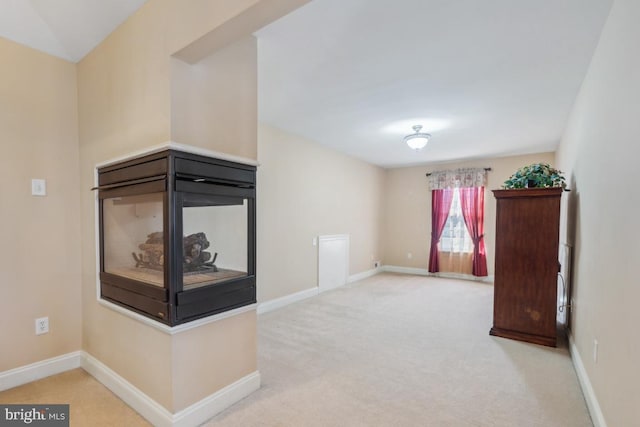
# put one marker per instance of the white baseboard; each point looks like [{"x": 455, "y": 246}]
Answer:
[
  {"x": 274, "y": 304},
  {"x": 157, "y": 414},
  {"x": 425, "y": 272},
  {"x": 277, "y": 303},
  {"x": 208, "y": 407},
  {"x": 405, "y": 270},
  {"x": 363, "y": 275},
  {"x": 587, "y": 390},
  {"x": 460, "y": 276},
  {"x": 39, "y": 370}
]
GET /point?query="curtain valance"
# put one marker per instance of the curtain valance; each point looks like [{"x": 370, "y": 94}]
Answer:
[{"x": 467, "y": 177}]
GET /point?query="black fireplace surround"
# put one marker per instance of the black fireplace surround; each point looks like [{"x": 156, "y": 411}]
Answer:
[{"x": 177, "y": 235}]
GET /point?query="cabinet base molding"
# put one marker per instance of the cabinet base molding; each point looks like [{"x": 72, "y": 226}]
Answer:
[{"x": 521, "y": 336}]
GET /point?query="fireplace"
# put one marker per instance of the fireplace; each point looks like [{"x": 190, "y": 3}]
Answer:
[{"x": 177, "y": 235}]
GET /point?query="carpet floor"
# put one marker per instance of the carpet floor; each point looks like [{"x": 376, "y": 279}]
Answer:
[
  {"x": 391, "y": 350},
  {"x": 398, "y": 350}
]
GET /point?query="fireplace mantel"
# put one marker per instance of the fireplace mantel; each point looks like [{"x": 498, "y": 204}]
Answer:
[{"x": 172, "y": 145}]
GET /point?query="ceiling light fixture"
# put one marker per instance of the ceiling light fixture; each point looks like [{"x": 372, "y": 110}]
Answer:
[{"x": 417, "y": 140}]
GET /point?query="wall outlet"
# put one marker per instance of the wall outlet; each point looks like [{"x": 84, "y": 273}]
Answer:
[
  {"x": 38, "y": 187},
  {"x": 409, "y": 255},
  {"x": 42, "y": 325},
  {"x": 595, "y": 351}
]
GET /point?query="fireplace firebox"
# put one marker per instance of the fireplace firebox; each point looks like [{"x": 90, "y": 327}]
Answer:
[{"x": 177, "y": 235}]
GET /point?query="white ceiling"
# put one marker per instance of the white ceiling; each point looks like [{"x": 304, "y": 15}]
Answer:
[
  {"x": 68, "y": 29},
  {"x": 485, "y": 77}
]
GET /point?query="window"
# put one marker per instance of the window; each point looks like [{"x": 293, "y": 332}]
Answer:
[
  {"x": 457, "y": 221},
  {"x": 455, "y": 237}
]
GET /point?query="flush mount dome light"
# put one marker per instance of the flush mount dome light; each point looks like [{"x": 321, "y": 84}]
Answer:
[{"x": 417, "y": 140}]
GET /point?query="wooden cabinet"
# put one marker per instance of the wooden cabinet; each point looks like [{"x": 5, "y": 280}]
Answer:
[{"x": 526, "y": 267}]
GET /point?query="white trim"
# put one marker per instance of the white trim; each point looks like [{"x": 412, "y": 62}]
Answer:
[
  {"x": 182, "y": 147},
  {"x": 363, "y": 275},
  {"x": 460, "y": 276},
  {"x": 179, "y": 328},
  {"x": 157, "y": 414},
  {"x": 329, "y": 237},
  {"x": 597, "y": 417},
  {"x": 405, "y": 270},
  {"x": 274, "y": 304},
  {"x": 39, "y": 370},
  {"x": 425, "y": 272},
  {"x": 212, "y": 405},
  {"x": 96, "y": 229},
  {"x": 277, "y": 303}
]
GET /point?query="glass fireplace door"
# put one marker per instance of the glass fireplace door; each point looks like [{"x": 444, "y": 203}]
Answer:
[
  {"x": 133, "y": 237},
  {"x": 133, "y": 240},
  {"x": 215, "y": 239},
  {"x": 218, "y": 249}
]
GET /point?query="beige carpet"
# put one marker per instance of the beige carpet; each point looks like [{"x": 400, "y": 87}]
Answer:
[
  {"x": 391, "y": 350},
  {"x": 398, "y": 350},
  {"x": 90, "y": 403}
]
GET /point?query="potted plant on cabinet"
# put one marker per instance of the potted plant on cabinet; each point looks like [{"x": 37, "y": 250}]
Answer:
[{"x": 536, "y": 175}]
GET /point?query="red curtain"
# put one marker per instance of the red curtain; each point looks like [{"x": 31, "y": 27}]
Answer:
[
  {"x": 440, "y": 205},
  {"x": 472, "y": 204}
]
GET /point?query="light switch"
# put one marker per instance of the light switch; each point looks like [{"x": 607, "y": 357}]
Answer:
[{"x": 38, "y": 187}]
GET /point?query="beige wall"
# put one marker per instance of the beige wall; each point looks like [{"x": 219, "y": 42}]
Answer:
[
  {"x": 306, "y": 190},
  {"x": 408, "y": 208},
  {"x": 40, "y": 254},
  {"x": 216, "y": 369},
  {"x": 126, "y": 104},
  {"x": 600, "y": 152},
  {"x": 213, "y": 102}
]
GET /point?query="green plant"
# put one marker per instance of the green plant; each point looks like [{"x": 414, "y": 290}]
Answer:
[{"x": 537, "y": 175}]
